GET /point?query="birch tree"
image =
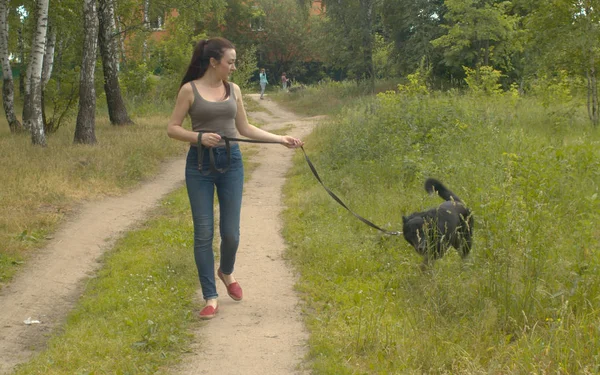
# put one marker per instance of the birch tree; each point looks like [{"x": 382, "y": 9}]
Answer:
[
  {"x": 8, "y": 87},
  {"x": 117, "y": 111},
  {"x": 86, "y": 117},
  {"x": 47, "y": 69},
  {"x": 34, "y": 121}
]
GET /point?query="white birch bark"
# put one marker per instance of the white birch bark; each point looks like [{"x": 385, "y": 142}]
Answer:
[{"x": 35, "y": 123}]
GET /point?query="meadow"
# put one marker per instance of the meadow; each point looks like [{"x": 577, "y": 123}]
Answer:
[{"x": 528, "y": 299}]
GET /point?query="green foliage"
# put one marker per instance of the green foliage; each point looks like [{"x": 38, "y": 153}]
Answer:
[
  {"x": 383, "y": 58},
  {"x": 417, "y": 82},
  {"x": 345, "y": 38},
  {"x": 282, "y": 41},
  {"x": 137, "y": 80},
  {"x": 479, "y": 33},
  {"x": 171, "y": 55},
  {"x": 61, "y": 96},
  {"x": 484, "y": 80},
  {"x": 555, "y": 89},
  {"x": 556, "y": 94},
  {"x": 412, "y": 25},
  {"x": 246, "y": 67}
]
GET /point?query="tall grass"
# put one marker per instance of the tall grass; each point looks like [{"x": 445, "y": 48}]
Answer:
[
  {"x": 527, "y": 301},
  {"x": 328, "y": 97}
]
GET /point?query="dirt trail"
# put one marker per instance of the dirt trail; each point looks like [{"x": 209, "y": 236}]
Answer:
[{"x": 261, "y": 335}]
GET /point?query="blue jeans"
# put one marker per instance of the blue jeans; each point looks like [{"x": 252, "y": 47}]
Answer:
[{"x": 201, "y": 192}]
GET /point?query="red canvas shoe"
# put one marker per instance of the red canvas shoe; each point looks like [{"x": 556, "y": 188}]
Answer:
[
  {"x": 234, "y": 289},
  {"x": 208, "y": 312}
]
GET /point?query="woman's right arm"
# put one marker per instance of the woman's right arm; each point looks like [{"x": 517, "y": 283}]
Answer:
[{"x": 175, "y": 130}]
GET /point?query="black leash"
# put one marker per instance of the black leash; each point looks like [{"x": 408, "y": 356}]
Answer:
[{"x": 310, "y": 164}]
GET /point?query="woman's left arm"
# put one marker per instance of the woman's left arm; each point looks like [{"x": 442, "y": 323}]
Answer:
[{"x": 250, "y": 131}]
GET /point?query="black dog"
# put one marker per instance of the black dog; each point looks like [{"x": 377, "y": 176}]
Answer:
[{"x": 431, "y": 232}]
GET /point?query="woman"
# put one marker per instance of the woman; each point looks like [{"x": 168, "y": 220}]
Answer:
[{"x": 216, "y": 109}]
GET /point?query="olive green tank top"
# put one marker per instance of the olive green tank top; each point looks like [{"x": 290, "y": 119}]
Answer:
[{"x": 214, "y": 117}]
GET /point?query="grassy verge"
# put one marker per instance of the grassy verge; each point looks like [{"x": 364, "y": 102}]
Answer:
[
  {"x": 528, "y": 301},
  {"x": 328, "y": 98},
  {"x": 135, "y": 315}
]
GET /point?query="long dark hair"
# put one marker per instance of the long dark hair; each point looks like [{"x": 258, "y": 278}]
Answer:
[{"x": 204, "y": 50}]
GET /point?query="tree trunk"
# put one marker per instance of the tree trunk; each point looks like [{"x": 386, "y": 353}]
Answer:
[
  {"x": 117, "y": 112},
  {"x": 86, "y": 117},
  {"x": 8, "y": 87},
  {"x": 34, "y": 122}
]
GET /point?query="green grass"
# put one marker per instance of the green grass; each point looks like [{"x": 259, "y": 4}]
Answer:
[
  {"x": 328, "y": 98},
  {"x": 528, "y": 300},
  {"x": 136, "y": 313}
]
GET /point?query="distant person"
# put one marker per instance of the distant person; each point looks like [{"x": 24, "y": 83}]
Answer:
[
  {"x": 284, "y": 81},
  {"x": 216, "y": 109},
  {"x": 263, "y": 82}
]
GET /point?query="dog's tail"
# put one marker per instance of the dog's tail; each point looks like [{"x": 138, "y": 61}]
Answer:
[{"x": 434, "y": 186}]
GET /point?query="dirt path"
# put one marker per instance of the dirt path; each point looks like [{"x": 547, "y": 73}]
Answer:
[
  {"x": 264, "y": 333},
  {"x": 50, "y": 284},
  {"x": 261, "y": 335}
]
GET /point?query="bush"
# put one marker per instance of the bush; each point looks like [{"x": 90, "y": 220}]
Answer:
[{"x": 484, "y": 80}]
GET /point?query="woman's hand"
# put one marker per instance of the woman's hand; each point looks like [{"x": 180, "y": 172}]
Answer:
[
  {"x": 291, "y": 142},
  {"x": 210, "y": 139}
]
